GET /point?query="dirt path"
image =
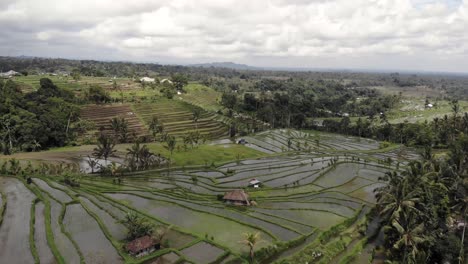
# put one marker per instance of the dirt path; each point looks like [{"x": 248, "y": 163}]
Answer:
[{"x": 14, "y": 232}]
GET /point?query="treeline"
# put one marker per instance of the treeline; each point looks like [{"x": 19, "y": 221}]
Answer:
[
  {"x": 225, "y": 79},
  {"x": 294, "y": 103},
  {"x": 37, "y": 120},
  {"x": 438, "y": 133}
]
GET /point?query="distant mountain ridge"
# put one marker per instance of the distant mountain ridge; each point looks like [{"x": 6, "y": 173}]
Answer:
[{"x": 227, "y": 64}]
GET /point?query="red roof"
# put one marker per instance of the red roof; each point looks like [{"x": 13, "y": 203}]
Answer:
[{"x": 140, "y": 243}]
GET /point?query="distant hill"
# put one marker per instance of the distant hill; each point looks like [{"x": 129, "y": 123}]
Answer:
[{"x": 228, "y": 65}]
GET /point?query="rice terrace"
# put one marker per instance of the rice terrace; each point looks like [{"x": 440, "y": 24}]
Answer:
[
  {"x": 120, "y": 162},
  {"x": 314, "y": 197}
]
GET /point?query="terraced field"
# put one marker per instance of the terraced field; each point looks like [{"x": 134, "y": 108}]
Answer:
[
  {"x": 177, "y": 118},
  {"x": 101, "y": 115},
  {"x": 305, "y": 195},
  {"x": 202, "y": 96},
  {"x": 282, "y": 140}
]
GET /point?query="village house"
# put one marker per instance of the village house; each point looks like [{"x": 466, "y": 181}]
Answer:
[
  {"x": 142, "y": 246},
  {"x": 147, "y": 80},
  {"x": 254, "y": 183},
  {"x": 236, "y": 197},
  {"x": 9, "y": 74}
]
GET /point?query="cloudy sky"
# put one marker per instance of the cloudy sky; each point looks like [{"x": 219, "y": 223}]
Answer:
[{"x": 427, "y": 35}]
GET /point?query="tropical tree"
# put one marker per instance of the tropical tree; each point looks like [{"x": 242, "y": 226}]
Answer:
[
  {"x": 395, "y": 197},
  {"x": 461, "y": 206},
  {"x": 92, "y": 163},
  {"x": 156, "y": 126},
  {"x": 179, "y": 81},
  {"x": 105, "y": 147},
  {"x": 170, "y": 144},
  {"x": 120, "y": 127},
  {"x": 140, "y": 157},
  {"x": 196, "y": 114},
  {"x": 411, "y": 236},
  {"x": 133, "y": 156},
  {"x": 251, "y": 240},
  {"x": 137, "y": 226}
]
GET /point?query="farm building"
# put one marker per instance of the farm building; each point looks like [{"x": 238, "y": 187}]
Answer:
[
  {"x": 142, "y": 246},
  {"x": 254, "y": 183},
  {"x": 147, "y": 80},
  {"x": 9, "y": 74},
  {"x": 236, "y": 197}
]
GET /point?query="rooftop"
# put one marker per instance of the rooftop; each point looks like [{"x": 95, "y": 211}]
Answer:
[
  {"x": 236, "y": 195},
  {"x": 140, "y": 243}
]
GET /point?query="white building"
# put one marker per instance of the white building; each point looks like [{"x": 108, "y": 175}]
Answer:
[
  {"x": 147, "y": 80},
  {"x": 9, "y": 74}
]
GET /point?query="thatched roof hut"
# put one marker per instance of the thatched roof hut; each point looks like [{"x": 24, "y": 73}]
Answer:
[
  {"x": 237, "y": 197},
  {"x": 142, "y": 246}
]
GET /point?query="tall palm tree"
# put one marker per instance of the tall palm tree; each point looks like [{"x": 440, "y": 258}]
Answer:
[
  {"x": 411, "y": 235},
  {"x": 196, "y": 114},
  {"x": 92, "y": 163},
  {"x": 251, "y": 240},
  {"x": 396, "y": 197},
  {"x": 156, "y": 126},
  {"x": 461, "y": 206},
  {"x": 170, "y": 144},
  {"x": 104, "y": 148},
  {"x": 133, "y": 156}
]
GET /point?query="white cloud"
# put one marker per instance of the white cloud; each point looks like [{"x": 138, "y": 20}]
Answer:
[{"x": 241, "y": 30}]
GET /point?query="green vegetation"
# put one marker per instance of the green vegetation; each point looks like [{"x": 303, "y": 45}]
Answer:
[{"x": 393, "y": 184}]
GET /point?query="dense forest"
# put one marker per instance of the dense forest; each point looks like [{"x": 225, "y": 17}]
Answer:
[
  {"x": 41, "y": 119},
  {"x": 420, "y": 207}
]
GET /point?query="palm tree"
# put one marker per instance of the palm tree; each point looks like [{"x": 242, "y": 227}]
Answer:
[
  {"x": 35, "y": 145},
  {"x": 104, "y": 148},
  {"x": 196, "y": 114},
  {"x": 251, "y": 240},
  {"x": 411, "y": 235},
  {"x": 461, "y": 206},
  {"x": 92, "y": 163},
  {"x": 120, "y": 127},
  {"x": 395, "y": 199},
  {"x": 156, "y": 126},
  {"x": 136, "y": 225},
  {"x": 133, "y": 156},
  {"x": 170, "y": 144}
]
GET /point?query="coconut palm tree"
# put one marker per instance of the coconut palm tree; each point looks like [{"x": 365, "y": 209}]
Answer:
[
  {"x": 156, "y": 126},
  {"x": 92, "y": 163},
  {"x": 461, "y": 206},
  {"x": 251, "y": 240},
  {"x": 35, "y": 145},
  {"x": 196, "y": 114},
  {"x": 170, "y": 144},
  {"x": 133, "y": 156},
  {"x": 395, "y": 199},
  {"x": 104, "y": 148},
  {"x": 411, "y": 236}
]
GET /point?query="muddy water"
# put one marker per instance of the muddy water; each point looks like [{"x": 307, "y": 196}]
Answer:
[{"x": 14, "y": 232}]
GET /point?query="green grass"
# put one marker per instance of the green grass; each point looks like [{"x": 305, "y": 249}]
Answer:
[
  {"x": 208, "y": 154},
  {"x": 201, "y": 155},
  {"x": 202, "y": 96}
]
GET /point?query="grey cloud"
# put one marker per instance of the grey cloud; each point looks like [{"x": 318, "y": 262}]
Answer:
[{"x": 314, "y": 32}]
